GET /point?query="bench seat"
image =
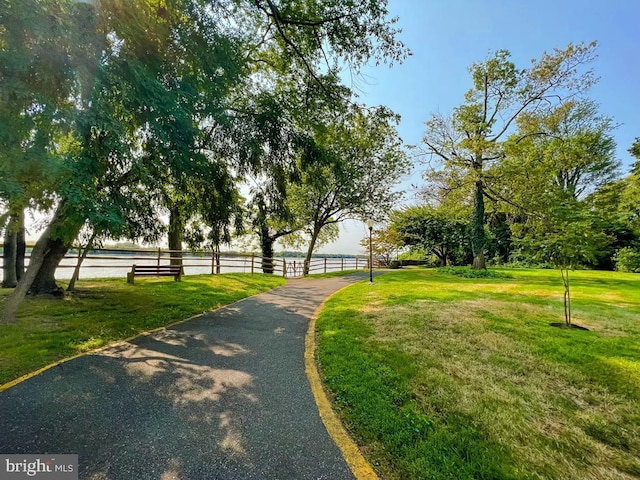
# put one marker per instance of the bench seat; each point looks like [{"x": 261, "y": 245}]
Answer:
[{"x": 174, "y": 271}]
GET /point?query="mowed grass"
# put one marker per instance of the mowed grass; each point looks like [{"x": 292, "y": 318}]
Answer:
[
  {"x": 106, "y": 310},
  {"x": 341, "y": 273},
  {"x": 439, "y": 376}
]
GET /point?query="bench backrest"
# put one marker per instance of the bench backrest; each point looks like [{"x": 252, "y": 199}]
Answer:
[{"x": 169, "y": 269}]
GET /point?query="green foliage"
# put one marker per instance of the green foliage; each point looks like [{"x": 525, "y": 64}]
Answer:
[
  {"x": 557, "y": 185},
  {"x": 499, "y": 238},
  {"x": 619, "y": 218},
  {"x": 467, "y": 272},
  {"x": 438, "y": 231},
  {"x": 41, "y": 52},
  {"x": 635, "y": 150},
  {"x": 161, "y": 105},
  {"x": 569, "y": 149},
  {"x": 359, "y": 159},
  {"x": 568, "y": 236},
  {"x": 628, "y": 260},
  {"x": 470, "y": 141},
  {"x": 385, "y": 242},
  {"x": 414, "y": 253}
]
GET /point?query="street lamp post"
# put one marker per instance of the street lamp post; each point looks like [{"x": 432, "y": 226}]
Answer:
[{"x": 370, "y": 225}]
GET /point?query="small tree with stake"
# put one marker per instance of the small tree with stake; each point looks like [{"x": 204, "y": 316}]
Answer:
[{"x": 566, "y": 237}]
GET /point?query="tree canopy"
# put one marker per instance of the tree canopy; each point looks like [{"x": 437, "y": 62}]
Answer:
[
  {"x": 470, "y": 140},
  {"x": 152, "y": 108}
]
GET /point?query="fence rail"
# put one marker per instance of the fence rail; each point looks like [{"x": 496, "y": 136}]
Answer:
[{"x": 111, "y": 262}]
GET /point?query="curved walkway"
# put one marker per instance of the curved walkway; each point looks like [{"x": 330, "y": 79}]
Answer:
[{"x": 221, "y": 396}]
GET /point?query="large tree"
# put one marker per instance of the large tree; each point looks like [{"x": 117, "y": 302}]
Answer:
[
  {"x": 567, "y": 153},
  {"x": 361, "y": 161},
  {"x": 153, "y": 85},
  {"x": 618, "y": 205},
  {"x": 470, "y": 140},
  {"x": 439, "y": 231},
  {"x": 42, "y": 54},
  {"x": 144, "y": 117},
  {"x": 569, "y": 148},
  {"x": 630, "y": 201}
]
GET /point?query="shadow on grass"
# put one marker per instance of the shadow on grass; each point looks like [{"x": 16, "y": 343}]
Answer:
[{"x": 107, "y": 310}]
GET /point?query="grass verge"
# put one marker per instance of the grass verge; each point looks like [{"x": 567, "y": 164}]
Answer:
[
  {"x": 341, "y": 273},
  {"x": 440, "y": 376},
  {"x": 106, "y": 310}
]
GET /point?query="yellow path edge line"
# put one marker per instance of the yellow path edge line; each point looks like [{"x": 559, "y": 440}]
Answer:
[
  {"x": 112, "y": 344},
  {"x": 359, "y": 466}
]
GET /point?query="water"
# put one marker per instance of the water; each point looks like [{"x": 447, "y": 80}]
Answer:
[{"x": 117, "y": 265}]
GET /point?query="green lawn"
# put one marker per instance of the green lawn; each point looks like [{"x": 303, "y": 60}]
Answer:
[
  {"x": 340, "y": 273},
  {"x": 103, "y": 311},
  {"x": 439, "y": 376}
]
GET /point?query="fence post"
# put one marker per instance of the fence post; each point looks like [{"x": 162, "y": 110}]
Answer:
[
  {"x": 284, "y": 267},
  {"x": 159, "y": 253},
  {"x": 325, "y": 264},
  {"x": 342, "y": 264},
  {"x": 252, "y": 260},
  {"x": 79, "y": 260}
]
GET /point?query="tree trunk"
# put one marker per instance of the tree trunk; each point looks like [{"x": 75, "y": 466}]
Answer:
[
  {"x": 175, "y": 236},
  {"x": 217, "y": 258},
  {"x": 567, "y": 296},
  {"x": 40, "y": 274},
  {"x": 441, "y": 255},
  {"x": 478, "y": 239},
  {"x": 21, "y": 248},
  {"x": 17, "y": 296},
  {"x": 10, "y": 254},
  {"x": 312, "y": 246},
  {"x": 266, "y": 242},
  {"x": 45, "y": 279},
  {"x": 76, "y": 271}
]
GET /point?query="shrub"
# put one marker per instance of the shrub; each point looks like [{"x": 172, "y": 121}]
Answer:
[
  {"x": 414, "y": 254},
  {"x": 468, "y": 272},
  {"x": 628, "y": 260}
]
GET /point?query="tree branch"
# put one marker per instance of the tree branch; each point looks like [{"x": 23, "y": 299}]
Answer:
[
  {"x": 274, "y": 13},
  {"x": 301, "y": 22},
  {"x": 534, "y": 134}
]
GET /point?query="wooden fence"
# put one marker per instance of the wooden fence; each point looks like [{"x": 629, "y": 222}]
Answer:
[{"x": 114, "y": 262}]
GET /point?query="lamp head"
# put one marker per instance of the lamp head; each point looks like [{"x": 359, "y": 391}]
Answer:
[{"x": 370, "y": 223}]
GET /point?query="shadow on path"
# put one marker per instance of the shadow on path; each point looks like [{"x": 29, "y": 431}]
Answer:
[{"x": 221, "y": 396}]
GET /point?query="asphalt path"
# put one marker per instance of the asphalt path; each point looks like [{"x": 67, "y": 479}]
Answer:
[{"x": 221, "y": 396}]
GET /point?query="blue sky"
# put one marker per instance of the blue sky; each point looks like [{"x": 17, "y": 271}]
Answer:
[{"x": 447, "y": 36}]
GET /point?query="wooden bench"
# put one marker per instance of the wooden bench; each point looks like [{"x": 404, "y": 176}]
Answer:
[{"x": 174, "y": 271}]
